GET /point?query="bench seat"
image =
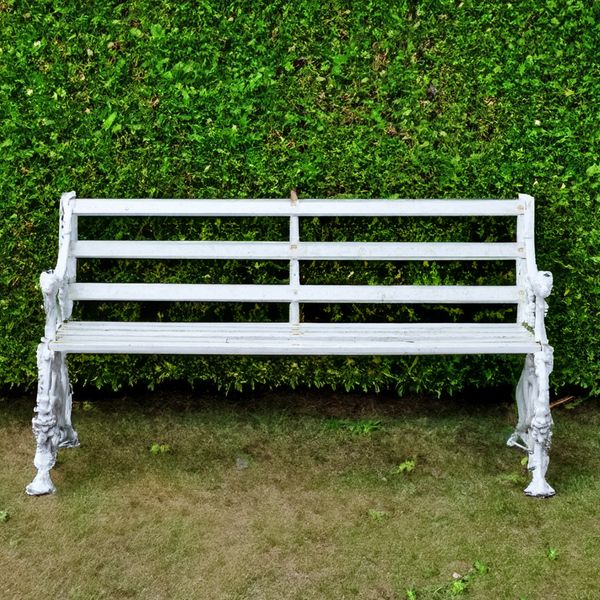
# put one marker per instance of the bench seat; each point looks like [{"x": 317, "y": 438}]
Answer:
[{"x": 94, "y": 337}]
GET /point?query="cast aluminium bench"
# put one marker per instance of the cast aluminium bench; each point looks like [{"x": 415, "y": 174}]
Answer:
[{"x": 62, "y": 336}]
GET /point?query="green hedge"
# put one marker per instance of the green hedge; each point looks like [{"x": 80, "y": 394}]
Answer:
[{"x": 249, "y": 99}]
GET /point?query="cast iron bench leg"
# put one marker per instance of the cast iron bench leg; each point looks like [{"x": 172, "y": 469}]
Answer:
[
  {"x": 541, "y": 426},
  {"x": 534, "y": 428},
  {"x": 52, "y": 423}
]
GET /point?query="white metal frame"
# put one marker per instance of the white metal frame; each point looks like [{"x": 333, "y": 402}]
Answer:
[{"x": 52, "y": 423}]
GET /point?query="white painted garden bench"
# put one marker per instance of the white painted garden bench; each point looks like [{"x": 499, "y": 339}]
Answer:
[{"x": 52, "y": 422}]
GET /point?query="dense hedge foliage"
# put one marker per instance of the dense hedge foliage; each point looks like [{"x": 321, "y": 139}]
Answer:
[{"x": 249, "y": 99}]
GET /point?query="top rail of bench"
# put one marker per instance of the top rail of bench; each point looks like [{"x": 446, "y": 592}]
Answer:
[{"x": 296, "y": 207}]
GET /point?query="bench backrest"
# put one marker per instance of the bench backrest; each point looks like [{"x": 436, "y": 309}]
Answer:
[{"x": 295, "y": 250}]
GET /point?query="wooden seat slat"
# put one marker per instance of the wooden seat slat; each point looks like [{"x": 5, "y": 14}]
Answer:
[
  {"x": 450, "y": 329},
  {"x": 283, "y": 338}
]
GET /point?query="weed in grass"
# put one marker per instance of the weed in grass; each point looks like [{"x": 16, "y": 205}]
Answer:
[
  {"x": 361, "y": 427},
  {"x": 377, "y": 515},
  {"x": 411, "y": 594},
  {"x": 516, "y": 478},
  {"x": 552, "y": 554},
  {"x": 159, "y": 449},
  {"x": 459, "y": 587},
  {"x": 365, "y": 427},
  {"x": 4, "y": 516},
  {"x": 336, "y": 424},
  {"x": 408, "y": 466},
  {"x": 480, "y": 567}
]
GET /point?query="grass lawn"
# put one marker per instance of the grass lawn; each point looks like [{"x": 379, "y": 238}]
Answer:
[{"x": 301, "y": 495}]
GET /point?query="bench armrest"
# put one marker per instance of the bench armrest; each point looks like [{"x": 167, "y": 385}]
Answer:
[
  {"x": 539, "y": 285},
  {"x": 54, "y": 284},
  {"x": 53, "y": 291}
]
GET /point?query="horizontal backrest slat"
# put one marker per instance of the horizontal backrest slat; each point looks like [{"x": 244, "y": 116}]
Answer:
[
  {"x": 303, "y": 207},
  {"x": 325, "y": 294},
  {"x": 302, "y": 250}
]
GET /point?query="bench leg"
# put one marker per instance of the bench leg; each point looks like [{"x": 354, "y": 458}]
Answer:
[
  {"x": 540, "y": 427},
  {"x": 52, "y": 422},
  {"x": 534, "y": 428}
]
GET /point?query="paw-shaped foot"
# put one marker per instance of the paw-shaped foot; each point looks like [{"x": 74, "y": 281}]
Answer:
[
  {"x": 539, "y": 489},
  {"x": 42, "y": 484}
]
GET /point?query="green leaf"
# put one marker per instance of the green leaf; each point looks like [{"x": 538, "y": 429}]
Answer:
[
  {"x": 109, "y": 121},
  {"x": 157, "y": 31},
  {"x": 593, "y": 170},
  {"x": 481, "y": 567}
]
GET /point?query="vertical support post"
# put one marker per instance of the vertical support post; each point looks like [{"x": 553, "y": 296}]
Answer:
[
  {"x": 68, "y": 262},
  {"x": 526, "y": 267},
  {"x": 294, "y": 263},
  {"x": 73, "y": 235},
  {"x": 521, "y": 269},
  {"x": 66, "y": 267}
]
